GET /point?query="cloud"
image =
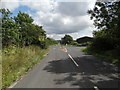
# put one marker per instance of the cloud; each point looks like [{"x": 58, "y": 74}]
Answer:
[
  {"x": 73, "y": 8},
  {"x": 59, "y": 18},
  {"x": 41, "y": 5},
  {"x": 10, "y": 5},
  {"x": 44, "y": 6},
  {"x": 60, "y": 24}
]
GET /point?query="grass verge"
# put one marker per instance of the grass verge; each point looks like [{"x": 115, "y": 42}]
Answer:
[
  {"x": 16, "y": 61},
  {"x": 107, "y": 56},
  {"x": 0, "y": 70}
]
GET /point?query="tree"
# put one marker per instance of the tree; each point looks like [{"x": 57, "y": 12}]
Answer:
[
  {"x": 29, "y": 32},
  {"x": 20, "y": 30},
  {"x": 106, "y": 16},
  {"x": 67, "y": 39},
  {"x": 23, "y": 18},
  {"x": 25, "y": 26},
  {"x": 9, "y": 29}
]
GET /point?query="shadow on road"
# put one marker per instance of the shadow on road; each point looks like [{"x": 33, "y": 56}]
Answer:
[{"x": 91, "y": 72}]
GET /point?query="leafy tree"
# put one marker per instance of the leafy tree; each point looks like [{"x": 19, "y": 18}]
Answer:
[
  {"x": 20, "y": 30},
  {"x": 67, "y": 39},
  {"x": 23, "y": 18},
  {"x": 25, "y": 26},
  {"x": 106, "y": 16},
  {"x": 9, "y": 29},
  {"x": 29, "y": 32}
]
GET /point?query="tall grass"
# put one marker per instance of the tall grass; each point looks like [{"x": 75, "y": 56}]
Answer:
[
  {"x": 0, "y": 70},
  {"x": 111, "y": 55},
  {"x": 16, "y": 61}
]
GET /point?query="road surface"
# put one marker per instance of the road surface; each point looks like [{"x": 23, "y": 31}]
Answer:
[{"x": 58, "y": 70}]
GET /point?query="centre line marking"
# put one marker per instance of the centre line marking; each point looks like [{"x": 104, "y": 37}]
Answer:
[{"x": 73, "y": 60}]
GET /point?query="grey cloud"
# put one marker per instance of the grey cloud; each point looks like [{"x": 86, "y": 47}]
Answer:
[
  {"x": 73, "y": 8},
  {"x": 53, "y": 22},
  {"x": 58, "y": 27}
]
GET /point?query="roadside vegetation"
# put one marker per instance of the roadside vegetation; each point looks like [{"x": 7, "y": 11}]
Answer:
[
  {"x": 106, "y": 41},
  {"x": 24, "y": 44},
  {"x": 16, "y": 61},
  {"x": 0, "y": 70},
  {"x": 109, "y": 56}
]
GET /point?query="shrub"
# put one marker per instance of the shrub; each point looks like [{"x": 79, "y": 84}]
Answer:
[
  {"x": 74, "y": 43},
  {"x": 102, "y": 43}
]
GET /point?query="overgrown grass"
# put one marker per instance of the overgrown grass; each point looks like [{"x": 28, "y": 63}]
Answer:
[
  {"x": 109, "y": 56},
  {"x": 16, "y": 61},
  {"x": 0, "y": 70}
]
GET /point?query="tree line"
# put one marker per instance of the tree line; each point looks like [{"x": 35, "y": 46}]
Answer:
[{"x": 21, "y": 31}]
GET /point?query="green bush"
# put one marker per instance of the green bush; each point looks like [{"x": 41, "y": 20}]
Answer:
[
  {"x": 85, "y": 44},
  {"x": 74, "y": 43},
  {"x": 102, "y": 43},
  {"x": 43, "y": 45},
  {"x": 110, "y": 56},
  {"x": 50, "y": 41}
]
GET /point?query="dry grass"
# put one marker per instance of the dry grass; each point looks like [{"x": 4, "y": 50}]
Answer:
[{"x": 16, "y": 61}]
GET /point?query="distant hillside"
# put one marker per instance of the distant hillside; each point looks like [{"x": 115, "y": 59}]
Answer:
[{"x": 84, "y": 39}]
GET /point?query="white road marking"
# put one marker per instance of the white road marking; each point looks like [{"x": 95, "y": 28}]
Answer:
[
  {"x": 16, "y": 82},
  {"x": 96, "y": 88},
  {"x": 13, "y": 85},
  {"x": 73, "y": 60}
]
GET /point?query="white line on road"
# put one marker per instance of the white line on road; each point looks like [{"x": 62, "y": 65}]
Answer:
[
  {"x": 73, "y": 60},
  {"x": 96, "y": 88},
  {"x": 13, "y": 84}
]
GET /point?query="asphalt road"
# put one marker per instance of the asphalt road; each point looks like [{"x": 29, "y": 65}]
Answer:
[{"x": 58, "y": 70}]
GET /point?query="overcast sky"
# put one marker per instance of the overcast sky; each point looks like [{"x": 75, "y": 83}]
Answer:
[{"x": 57, "y": 18}]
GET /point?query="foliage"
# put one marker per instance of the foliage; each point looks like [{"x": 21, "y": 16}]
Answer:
[
  {"x": 16, "y": 61},
  {"x": 51, "y": 41},
  {"x": 18, "y": 35},
  {"x": 9, "y": 28},
  {"x": 20, "y": 30},
  {"x": 74, "y": 43},
  {"x": 43, "y": 45},
  {"x": 85, "y": 44},
  {"x": 110, "y": 56},
  {"x": 106, "y": 17},
  {"x": 67, "y": 39}
]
